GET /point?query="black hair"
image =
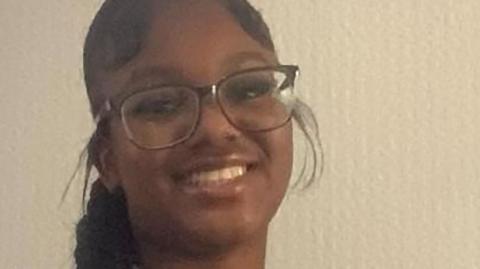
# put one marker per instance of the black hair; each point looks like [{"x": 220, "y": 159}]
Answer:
[{"x": 104, "y": 236}]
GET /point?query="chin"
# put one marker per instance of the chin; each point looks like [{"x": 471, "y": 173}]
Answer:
[
  {"x": 206, "y": 233},
  {"x": 215, "y": 237}
]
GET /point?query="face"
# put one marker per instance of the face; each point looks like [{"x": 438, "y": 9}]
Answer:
[{"x": 168, "y": 212}]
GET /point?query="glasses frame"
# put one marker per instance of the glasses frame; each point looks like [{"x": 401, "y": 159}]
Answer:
[{"x": 110, "y": 108}]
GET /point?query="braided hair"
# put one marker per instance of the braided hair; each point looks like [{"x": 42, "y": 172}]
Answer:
[{"x": 103, "y": 234}]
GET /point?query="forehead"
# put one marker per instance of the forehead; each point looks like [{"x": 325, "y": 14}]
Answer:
[{"x": 195, "y": 42}]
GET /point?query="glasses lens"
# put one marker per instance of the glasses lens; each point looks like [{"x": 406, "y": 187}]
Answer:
[
  {"x": 160, "y": 117},
  {"x": 258, "y": 100}
]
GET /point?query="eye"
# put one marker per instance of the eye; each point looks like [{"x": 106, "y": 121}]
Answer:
[
  {"x": 249, "y": 89},
  {"x": 160, "y": 104}
]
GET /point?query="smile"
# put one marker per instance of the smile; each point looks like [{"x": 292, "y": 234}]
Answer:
[{"x": 216, "y": 177}]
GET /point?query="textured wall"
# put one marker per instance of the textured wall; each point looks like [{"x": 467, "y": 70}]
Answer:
[{"x": 395, "y": 85}]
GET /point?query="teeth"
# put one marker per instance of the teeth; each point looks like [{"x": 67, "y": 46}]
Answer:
[{"x": 219, "y": 176}]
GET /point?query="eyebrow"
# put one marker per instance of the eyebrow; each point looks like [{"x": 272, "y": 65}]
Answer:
[
  {"x": 236, "y": 62},
  {"x": 169, "y": 74},
  {"x": 155, "y": 71}
]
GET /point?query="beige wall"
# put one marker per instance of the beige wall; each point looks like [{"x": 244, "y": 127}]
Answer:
[{"x": 396, "y": 88}]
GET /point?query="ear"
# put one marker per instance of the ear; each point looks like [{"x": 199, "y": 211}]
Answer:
[{"x": 106, "y": 167}]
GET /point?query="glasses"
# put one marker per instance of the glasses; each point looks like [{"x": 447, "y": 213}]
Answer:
[{"x": 253, "y": 100}]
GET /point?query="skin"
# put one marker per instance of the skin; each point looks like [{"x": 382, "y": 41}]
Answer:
[{"x": 175, "y": 229}]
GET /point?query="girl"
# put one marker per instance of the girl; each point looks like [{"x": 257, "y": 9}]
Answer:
[{"x": 194, "y": 142}]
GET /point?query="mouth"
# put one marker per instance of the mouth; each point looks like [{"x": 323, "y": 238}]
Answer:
[
  {"x": 217, "y": 177},
  {"x": 220, "y": 181}
]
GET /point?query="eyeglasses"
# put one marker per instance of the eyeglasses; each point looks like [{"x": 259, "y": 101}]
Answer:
[{"x": 162, "y": 116}]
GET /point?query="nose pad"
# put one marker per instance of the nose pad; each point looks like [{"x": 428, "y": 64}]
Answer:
[{"x": 213, "y": 126}]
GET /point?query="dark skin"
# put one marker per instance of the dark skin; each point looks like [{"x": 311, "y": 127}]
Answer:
[{"x": 174, "y": 228}]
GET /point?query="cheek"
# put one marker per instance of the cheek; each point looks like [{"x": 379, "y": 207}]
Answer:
[
  {"x": 143, "y": 176},
  {"x": 135, "y": 169},
  {"x": 278, "y": 148}
]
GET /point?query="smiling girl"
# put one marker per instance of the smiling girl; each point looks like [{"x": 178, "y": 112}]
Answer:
[{"x": 194, "y": 144}]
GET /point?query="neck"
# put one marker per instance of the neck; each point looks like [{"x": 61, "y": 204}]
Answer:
[{"x": 249, "y": 254}]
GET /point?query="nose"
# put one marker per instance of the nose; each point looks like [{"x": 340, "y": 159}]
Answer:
[{"x": 213, "y": 126}]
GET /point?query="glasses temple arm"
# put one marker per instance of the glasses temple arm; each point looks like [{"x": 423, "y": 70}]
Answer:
[{"x": 103, "y": 112}]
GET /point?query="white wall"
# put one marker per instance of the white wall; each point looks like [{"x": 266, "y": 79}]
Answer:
[{"x": 396, "y": 88}]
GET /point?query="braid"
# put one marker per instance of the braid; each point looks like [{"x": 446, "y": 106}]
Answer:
[{"x": 104, "y": 238}]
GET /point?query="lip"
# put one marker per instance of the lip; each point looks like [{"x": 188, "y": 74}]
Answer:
[
  {"x": 213, "y": 162},
  {"x": 226, "y": 189}
]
